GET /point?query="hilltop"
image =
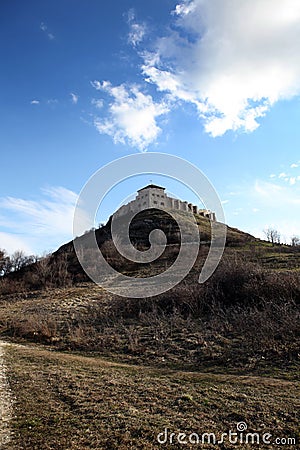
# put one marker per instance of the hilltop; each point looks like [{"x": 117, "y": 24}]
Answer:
[{"x": 62, "y": 268}]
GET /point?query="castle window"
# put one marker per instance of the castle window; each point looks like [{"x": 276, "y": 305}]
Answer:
[
  {"x": 155, "y": 202},
  {"x": 162, "y": 203},
  {"x": 144, "y": 203}
]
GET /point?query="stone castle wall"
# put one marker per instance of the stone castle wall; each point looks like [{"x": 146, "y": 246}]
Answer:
[{"x": 155, "y": 197}]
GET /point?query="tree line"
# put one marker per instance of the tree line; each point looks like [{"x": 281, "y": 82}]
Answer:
[
  {"x": 15, "y": 262},
  {"x": 273, "y": 236}
]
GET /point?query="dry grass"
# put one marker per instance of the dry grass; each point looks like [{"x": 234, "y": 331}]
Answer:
[
  {"x": 238, "y": 333},
  {"x": 66, "y": 401},
  {"x": 244, "y": 319}
]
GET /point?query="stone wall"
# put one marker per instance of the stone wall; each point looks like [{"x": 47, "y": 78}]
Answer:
[{"x": 155, "y": 197}]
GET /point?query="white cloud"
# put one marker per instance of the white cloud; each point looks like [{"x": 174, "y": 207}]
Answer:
[
  {"x": 96, "y": 84},
  {"x": 35, "y": 102},
  {"x": 98, "y": 103},
  {"x": 13, "y": 242},
  {"x": 37, "y": 224},
  {"x": 277, "y": 196},
  {"x": 232, "y": 59},
  {"x": 282, "y": 175},
  {"x": 74, "y": 98},
  {"x": 287, "y": 177},
  {"x": 137, "y": 30},
  {"x": 44, "y": 28},
  {"x": 52, "y": 101},
  {"x": 132, "y": 116}
]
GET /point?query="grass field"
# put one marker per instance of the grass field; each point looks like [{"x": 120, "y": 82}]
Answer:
[{"x": 70, "y": 401}]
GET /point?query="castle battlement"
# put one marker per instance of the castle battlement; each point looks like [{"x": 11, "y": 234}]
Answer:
[{"x": 153, "y": 196}]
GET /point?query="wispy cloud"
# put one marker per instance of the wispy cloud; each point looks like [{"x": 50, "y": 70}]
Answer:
[
  {"x": 272, "y": 202},
  {"x": 52, "y": 101},
  {"x": 276, "y": 196},
  {"x": 294, "y": 165},
  {"x": 137, "y": 30},
  {"x": 282, "y": 175},
  {"x": 38, "y": 224},
  {"x": 74, "y": 98},
  {"x": 288, "y": 176},
  {"x": 132, "y": 115},
  {"x": 44, "y": 28},
  {"x": 96, "y": 85},
  {"x": 231, "y": 59},
  {"x": 98, "y": 103},
  {"x": 11, "y": 242}
]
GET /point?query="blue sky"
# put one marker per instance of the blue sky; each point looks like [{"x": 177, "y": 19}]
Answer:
[{"x": 82, "y": 83}]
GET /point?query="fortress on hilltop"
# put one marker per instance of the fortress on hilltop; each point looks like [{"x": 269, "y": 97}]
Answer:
[{"x": 153, "y": 196}]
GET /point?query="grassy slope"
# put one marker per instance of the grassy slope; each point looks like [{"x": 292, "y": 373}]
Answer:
[{"x": 66, "y": 401}]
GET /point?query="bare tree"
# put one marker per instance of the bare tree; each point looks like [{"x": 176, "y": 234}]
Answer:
[
  {"x": 4, "y": 262},
  {"x": 63, "y": 277},
  {"x": 19, "y": 259},
  {"x": 272, "y": 235},
  {"x": 44, "y": 271},
  {"x": 295, "y": 241}
]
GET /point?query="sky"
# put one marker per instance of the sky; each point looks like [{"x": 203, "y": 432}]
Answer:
[{"x": 216, "y": 82}]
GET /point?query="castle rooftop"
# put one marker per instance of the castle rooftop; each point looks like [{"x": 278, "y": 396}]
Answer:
[{"x": 152, "y": 186}]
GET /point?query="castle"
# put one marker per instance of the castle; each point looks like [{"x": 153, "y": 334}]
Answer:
[{"x": 153, "y": 196}]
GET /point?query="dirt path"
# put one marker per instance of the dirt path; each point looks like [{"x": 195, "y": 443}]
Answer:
[
  {"x": 98, "y": 361},
  {"x": 5, "y": 401}
]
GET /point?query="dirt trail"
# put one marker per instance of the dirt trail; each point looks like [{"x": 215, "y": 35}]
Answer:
[
  {"x": 46, "y": 352},
  {"x": 5, "y": 401}
]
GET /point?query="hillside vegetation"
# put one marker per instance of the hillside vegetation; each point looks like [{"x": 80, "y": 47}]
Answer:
[
  {"x": 89, "y": 369},
  {"x": 245, "y": 316}
]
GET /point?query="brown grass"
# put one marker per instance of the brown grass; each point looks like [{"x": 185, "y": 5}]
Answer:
[
  {"x": 66, "y": 401},
  {"x": 244, "y": 317}
]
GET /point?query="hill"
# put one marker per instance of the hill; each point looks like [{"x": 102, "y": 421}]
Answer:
[
  {"x": 113, "y": 372},
  {"x": 256, "y": 285}
]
